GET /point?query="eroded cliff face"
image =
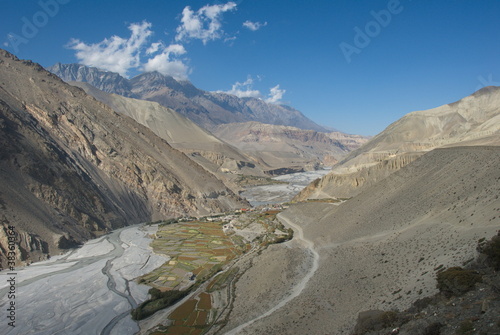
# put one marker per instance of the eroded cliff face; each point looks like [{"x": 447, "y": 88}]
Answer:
[
  {"x": 472, "y": 121},
  {"x": 71, "y": 168},
  {"x": 348, "y": 185}
]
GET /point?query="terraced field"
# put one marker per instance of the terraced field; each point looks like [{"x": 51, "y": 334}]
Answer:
[
  {"x": 204, "y": 260},
  {"x": 197, "y": 250}
]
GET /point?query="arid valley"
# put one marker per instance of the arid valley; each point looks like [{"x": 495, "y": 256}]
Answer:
[{"x": 134, "y": 201}]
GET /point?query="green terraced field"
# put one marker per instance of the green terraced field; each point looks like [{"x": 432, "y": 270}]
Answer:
[{"x": 195, "y": 247}]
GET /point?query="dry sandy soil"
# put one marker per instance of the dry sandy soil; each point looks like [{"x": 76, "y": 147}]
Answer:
[{"x": 379, "y": 250}]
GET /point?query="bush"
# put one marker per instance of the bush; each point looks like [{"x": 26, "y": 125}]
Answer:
[
  {"x": 375, "y": 320},
  {"x": 456, "y": 281},
  {"x": 466, "y": 327},
  {"x": 433, "y": 329},
  {"x": 492, "y": 250},
  {"x": 159, "y": 300}
]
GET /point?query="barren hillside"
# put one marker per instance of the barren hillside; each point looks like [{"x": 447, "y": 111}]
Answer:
[
  {"x": 215, "y": 155},
  {"x": 380, "y": 249},
  {"x": 474, "y": 120}
]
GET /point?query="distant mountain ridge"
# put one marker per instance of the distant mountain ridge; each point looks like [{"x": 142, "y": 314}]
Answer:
[
  {"x": 286, "y": 146},
  {"x": 207, "y": 109}
]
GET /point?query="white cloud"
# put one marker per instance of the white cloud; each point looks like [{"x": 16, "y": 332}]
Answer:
[
  {"x": 154, "y": 48},
  {"x": 244, "y": 89},
  {"x": 254, "y": 26},
  {"x": 115, "y": 54},
  {"x": 204, "y": 24},
  {"x": 118, "y": 54},
  {"x": 275, "y": 95},
  {"x": 165, "y": 64}
]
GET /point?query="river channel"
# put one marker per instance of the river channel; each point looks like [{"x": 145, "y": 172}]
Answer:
[
  {"x": 280, "y": 193},
  {"x": 89, "y": 290}
]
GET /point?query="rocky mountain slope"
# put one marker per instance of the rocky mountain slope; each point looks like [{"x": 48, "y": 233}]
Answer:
[
  {"x": 71, "y": 168},
  {"x": 207, "y": 109},
  {"x": 183, "y": 134},
  {"x": 474, "y": 120},
  {"x": 288, "y": 147},
  {"x": 377, "y": 251}
]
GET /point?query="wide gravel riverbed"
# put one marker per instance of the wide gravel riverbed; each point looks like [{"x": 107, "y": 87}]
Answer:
[{"x": 89, "y": 290}]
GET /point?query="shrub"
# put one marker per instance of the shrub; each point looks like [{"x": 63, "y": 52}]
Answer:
[
  {"x": 159, "y": 300},
  {"x": 433, "y": 329},
  {"x": 375, "y": 320},
  {"x": 466, "y": 327},
  {"x": 457, "y": 281},
  {"x": 492, "y": 250}
]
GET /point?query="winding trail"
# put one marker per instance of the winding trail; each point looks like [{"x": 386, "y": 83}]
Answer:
[{"x": 297, "y": 289}]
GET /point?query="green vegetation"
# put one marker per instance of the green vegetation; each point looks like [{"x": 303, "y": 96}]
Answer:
[
  {"x": 433, "y": 329},
  {"x": 374, "y": 320},
  {"x": 492, "y": 250},
  {"x": 456, "y": 281},
  {"x": 158, "y": 300},
  {"x": 466, "y": 327},
  {"x": 222, "y": 280},
  {"x": 245, "y": 181},
  {"x": 197, "y": 248},
  {"x": 328, "y": 200}
]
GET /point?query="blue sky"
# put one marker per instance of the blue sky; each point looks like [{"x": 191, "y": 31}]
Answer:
[{"x": 356, "y": 66}]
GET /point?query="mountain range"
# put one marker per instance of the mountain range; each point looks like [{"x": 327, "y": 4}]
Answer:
[
  {"x": 378, "y": 251},
  {"x": 300, "y": 148},
  {"x": 207, "y": 109}
]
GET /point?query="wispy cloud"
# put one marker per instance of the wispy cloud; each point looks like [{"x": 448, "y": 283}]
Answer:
[
  {"x": 244, "y": 89},
  {"x": 137, "y": 53},
  {"x": 118, "y": 54},
  {"x": 166, "y": 63},
  {"x": 115, "y": 54},
  {"x": 275, "y": 95},
  {"x": 254, "y": 26},
  {"x": 204, "y": 24}
]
